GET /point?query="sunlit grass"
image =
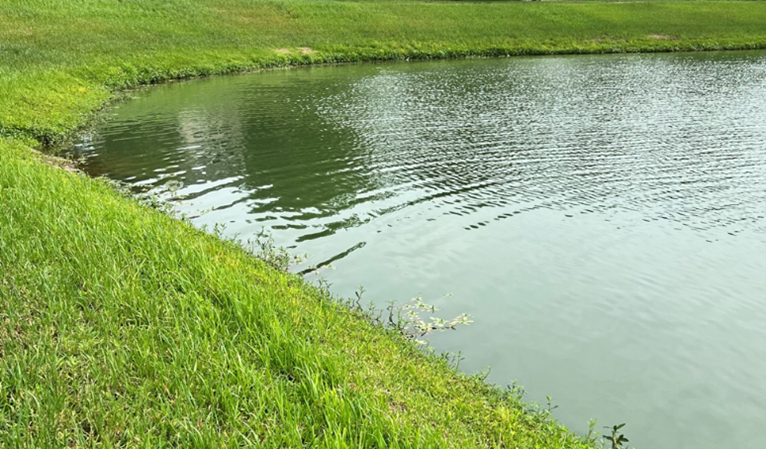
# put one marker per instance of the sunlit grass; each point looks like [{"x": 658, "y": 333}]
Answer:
[{"x": 120, "y": 326}]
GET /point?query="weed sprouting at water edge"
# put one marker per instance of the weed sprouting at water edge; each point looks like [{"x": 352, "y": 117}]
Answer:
[
  {"x": 406, "y": 319},
  {"x": 616, "y": 439}
]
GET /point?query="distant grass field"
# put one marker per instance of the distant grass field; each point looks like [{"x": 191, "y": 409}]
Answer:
[{"x": 122, "y": 327}]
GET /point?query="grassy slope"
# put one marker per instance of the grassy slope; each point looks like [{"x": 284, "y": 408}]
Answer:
[{"x": 121, "y": 326}]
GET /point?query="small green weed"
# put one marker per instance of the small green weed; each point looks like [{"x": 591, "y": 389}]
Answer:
[{"x": 616, "y": 439}]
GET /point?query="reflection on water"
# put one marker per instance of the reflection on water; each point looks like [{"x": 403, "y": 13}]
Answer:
[{"x": 602, "y": 218}]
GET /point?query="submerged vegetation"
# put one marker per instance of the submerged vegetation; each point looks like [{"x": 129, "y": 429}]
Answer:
[{"x": 121, "y": 326}]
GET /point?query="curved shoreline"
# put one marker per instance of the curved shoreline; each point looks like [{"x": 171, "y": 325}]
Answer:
[
  {"x": 122, "y": 325},
  {"x": 146, "y": 76}
]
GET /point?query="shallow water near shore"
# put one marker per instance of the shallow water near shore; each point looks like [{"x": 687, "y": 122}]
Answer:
[{"x": 602, "y": 218}]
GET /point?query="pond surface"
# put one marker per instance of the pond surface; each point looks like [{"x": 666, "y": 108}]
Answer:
[{"x": 600, "y": 217}]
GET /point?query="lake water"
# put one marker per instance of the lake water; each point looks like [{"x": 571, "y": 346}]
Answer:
[{"x": 602, "y": 218}]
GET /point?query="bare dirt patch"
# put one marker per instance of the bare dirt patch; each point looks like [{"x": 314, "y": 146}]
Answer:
[
  {"x": 662, "y": 37},
  {"x": 60, "y": 162},
  {"x": 301, "y": 50}
]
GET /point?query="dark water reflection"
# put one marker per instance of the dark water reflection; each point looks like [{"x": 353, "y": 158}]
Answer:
[{"x": 602, "y": 218}]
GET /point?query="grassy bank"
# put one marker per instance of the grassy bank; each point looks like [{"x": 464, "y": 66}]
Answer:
[{"x": 120, "y": 326}]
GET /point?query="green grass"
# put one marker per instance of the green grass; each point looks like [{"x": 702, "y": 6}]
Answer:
[{"x": 122, "y": 327}]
